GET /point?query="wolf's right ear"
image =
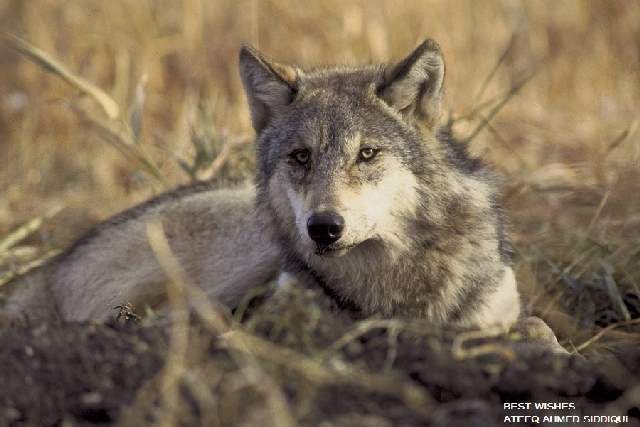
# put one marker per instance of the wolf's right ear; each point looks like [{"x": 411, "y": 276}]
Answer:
[
  {"x": 414, "y": 86},
  {"x": 269, "y": 86}
]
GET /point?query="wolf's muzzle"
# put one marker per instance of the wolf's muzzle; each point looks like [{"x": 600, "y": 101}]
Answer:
[{"x": 325, "y": 228}]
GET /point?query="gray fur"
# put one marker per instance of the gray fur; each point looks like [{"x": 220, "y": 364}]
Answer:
[
  {"x": 439, "y": 250},
  {"x": 423, "y": 238},
  {"x": 213, "y": 233}
]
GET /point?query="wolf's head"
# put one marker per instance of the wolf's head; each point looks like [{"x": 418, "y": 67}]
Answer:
[{"x": 341, "y": 150}]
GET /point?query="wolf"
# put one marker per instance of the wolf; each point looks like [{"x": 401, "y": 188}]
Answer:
[{"x": 360, "y": 191}]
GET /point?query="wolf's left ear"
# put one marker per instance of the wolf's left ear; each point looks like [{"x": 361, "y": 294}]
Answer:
[
  {"x": 269, "y": 86},
  {"x": 414, "y": 85}
]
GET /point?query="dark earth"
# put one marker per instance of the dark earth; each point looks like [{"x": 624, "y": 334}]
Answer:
[{"x": 93, "y": 374}]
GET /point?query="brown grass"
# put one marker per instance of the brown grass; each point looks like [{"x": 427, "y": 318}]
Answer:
[{"x": 567, "y": 142}]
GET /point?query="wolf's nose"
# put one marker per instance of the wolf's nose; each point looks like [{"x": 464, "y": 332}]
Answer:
[{"x": 325, "y": 228}]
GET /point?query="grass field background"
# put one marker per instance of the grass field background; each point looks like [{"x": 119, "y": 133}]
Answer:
[
  {"x": 546, "y": 91},
  {"x": 567, "y": 143}
]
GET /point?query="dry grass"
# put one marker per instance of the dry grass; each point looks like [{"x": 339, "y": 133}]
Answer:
[{"x": 567, "y": 142}]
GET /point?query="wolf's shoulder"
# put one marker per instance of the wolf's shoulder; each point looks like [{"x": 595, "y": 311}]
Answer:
[{"x": 158, "y": 203}]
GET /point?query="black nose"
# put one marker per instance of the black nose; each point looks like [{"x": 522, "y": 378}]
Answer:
[{"x": 325, "y": 228}]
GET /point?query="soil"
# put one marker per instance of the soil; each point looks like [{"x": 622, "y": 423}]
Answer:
[{"x": 91, "y": 374}]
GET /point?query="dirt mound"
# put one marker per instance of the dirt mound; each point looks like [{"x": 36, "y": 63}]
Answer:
[{"x": 294, "y": 361}]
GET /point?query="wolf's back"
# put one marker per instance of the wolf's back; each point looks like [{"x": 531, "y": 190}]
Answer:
[{"x": 214, "y": 234}]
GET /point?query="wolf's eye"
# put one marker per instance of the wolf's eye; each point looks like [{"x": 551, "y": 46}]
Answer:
[
  {"x": 367, "y": 153},
  {"x": 300, "y": 156}
]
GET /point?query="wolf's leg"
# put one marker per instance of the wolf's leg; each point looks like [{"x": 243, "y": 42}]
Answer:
[
  {"x": 501, "y": 307},
  {"x": 535, "y": 330}
]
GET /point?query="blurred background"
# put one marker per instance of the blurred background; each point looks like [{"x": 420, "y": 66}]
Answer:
[{"x": 567, "y": 143}]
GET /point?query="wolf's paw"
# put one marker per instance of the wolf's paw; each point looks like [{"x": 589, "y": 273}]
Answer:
[{"x": 534, "y": 330}]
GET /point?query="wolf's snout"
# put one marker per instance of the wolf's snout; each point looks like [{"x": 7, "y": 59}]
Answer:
[{"x": 325, "y": 228}]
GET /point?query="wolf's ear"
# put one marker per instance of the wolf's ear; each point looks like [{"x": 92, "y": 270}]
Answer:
[
  {"x": 414, "y": 85},
  {"x": 269, "y": 86}
]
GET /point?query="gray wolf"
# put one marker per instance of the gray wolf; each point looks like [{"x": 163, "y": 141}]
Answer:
[{"x": 359, "y": 190}]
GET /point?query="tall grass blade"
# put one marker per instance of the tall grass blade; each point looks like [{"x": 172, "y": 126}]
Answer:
[{"x": 51, "y": 65}]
